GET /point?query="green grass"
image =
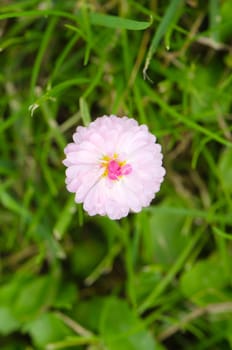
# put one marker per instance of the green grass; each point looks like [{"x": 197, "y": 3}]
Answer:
[{"x": 157, "y": 280}]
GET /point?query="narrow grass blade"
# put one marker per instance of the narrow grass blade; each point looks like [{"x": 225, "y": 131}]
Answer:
[
  {"x": 45, "y": 41},
  {"x": 187, "y": 121},
  {"x": 64, "y": 219},
  {"x": 163, "y": 27},
  {"x": 214, "y": 12},
  {"x": 150, "y": 300},
  {"x": 57, "y": 89},
  {"x": 85, "y": 115},
  {"x": 99, "y": 19},
  {"x": 117, "y": 22},
  {"x": 221, "y": 233}
]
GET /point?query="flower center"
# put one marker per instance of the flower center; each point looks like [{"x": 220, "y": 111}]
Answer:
[{"x": 114, "y": 168}]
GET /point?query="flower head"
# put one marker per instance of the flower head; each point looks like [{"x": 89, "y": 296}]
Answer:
[{"x": 114, "y": 166}]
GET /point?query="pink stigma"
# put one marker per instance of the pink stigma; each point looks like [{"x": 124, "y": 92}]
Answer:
[{"x": 116, "y": 169}]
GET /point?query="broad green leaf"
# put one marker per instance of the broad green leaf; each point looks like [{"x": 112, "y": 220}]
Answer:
[
  {"x": 167, "y": 237},
  {"x": 146, "y": 280},
  {"x": 66, "y": 297},
  {"x": 122, "y": 329},
  {"x": 10, "y": 290},
  {"x": 33, "y": 296},
  {"x": 47, "y": 328},
  {"x": 205, "y": 281},
  {"x": 8, "y": 322},
  {"x": 86, "y": 257},
  {"x": 93, "y": 307}
]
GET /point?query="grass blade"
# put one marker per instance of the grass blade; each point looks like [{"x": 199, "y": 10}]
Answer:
[
  {"x": 166, "y": 22},
  {"x": 117, "y": 22}
]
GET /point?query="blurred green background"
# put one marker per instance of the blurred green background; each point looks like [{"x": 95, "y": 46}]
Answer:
[{"x": 157, "y": 280}]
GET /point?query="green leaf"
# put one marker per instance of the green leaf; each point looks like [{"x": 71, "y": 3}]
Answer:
[
  {"x": 8, "y": 322},
  {"x": 214, "y": 8},
  {"x": 91, "y": 307},
  {"x": 47, "y": 328},
  {"x": 205, "y": 281},
  {"x": 225, "y": 25},
  {"x": 9, "y": 291},
  {"x": 116, "y": 22},
  {"x": 66, "y": 296},
  {"x": 53, "y": 92},
  {"x": 59, "y": 88},
  {"x": 64, "y": 219},
  {"x": 167, "y": 237},
  {"x": 33, "y": 296},
  {"x": 85, "y": 115},
  {"x": 122, "y": 329},
  {"x": 146, "y": 280},
  {"x": 95, "y": 18},
  {"x": 206, "y": 95},
  {"x": 221, "y": 233},
  {"x": 225, "y": 169},
  {"x": 74, "y": 341},
  {"x": 86, "y": 257},
  {"x": 162, "y": 28},
  {"x": 12, "y": 204}
]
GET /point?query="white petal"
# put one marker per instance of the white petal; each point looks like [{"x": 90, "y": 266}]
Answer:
[
  {"x": 87, "y": 183},
  {"x": 83, "y": 157}
]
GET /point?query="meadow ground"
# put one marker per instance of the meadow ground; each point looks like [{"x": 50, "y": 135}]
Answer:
[{"x": 156, "y": 280}]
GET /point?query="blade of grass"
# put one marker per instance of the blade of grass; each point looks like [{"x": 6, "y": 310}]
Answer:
[
  {"x": 38, "y": 13},
  {"x": 64, "y": 219},
  {"x": 209, "y": 217},
  {"x": 53, "y": 92},
  {"x": 221, "y": 233},
  {"x": 18, "y": 5},
  {"x": 99, "y": 19},
  {"x": 116, "y": 22},
  {"x": 13, "y": 205},
  {"x": 85, "y": 24},
  {"x": 214, "y": 12},
  {"x": 163, "y": 27},
  {"x": 64, "y": 54},
  {"x": 168, "y": 33},
  {"x": 54, "y": 131},
  {"x": 85, "y": 115},
  {"x": 38, "y": 61},
  {"x": 150, "y": 300},
  {"x": 72, "y": 342},
  {"x": 187, "y": 121},
  {"x": 96, "y": 80}
]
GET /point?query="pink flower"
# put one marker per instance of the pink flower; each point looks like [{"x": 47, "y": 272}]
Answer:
[{"x": 114, "y": 166}]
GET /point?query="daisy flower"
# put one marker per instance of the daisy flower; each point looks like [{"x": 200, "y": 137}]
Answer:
[{"x": 114, "y": 166}]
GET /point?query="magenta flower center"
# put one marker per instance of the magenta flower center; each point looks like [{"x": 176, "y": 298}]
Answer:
[{"x": 115, "y": 168}]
